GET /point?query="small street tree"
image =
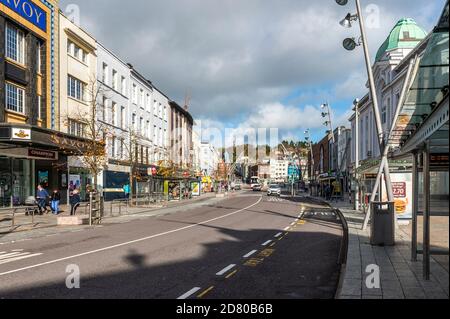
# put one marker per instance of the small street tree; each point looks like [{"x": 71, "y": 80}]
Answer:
[{"x": 83, "y": 123}]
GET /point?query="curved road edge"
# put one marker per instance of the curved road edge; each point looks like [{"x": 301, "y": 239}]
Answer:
[{"x": 344, "y": 246}]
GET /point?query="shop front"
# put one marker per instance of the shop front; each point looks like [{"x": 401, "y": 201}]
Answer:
[{"x": 30, "y": 156}]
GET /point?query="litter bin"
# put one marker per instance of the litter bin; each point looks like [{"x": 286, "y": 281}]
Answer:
[{"x": 383, "y": 224}]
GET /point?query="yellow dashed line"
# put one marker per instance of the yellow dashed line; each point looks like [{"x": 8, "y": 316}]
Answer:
[
  {"x": 203, "y": 294},
  {"x": 231, "y": 275}
]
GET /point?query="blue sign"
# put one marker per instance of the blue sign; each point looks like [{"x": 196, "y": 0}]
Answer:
[
  {"x": 294, "y": 172},
  {"x": 29, "y": 11}
]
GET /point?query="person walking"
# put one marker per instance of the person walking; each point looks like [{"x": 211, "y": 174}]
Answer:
[
  {"x": 42, "y": 196},
  {"x": 55, "y": 200},
  {"x": 75, "y": 201},
  {"x": 126, "y": 190}
]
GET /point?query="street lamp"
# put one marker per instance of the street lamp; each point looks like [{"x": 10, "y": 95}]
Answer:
[
  {"x": 357, "y": 195},
  {"x": 309, "y": 140},
  {"x": 373, "y": 93}
]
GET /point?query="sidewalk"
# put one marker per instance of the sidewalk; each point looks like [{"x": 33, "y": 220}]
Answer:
[
  {"x": 46, "y": 225},
  {"x": 400, "y": 277}
]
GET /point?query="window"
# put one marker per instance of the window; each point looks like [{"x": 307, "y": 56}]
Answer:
[
  {"x": 148, "y": 103},
  {"x": 122, "y": 117},
  {"x": 115, "y": 80},
  {"x": 141, "y": 126},
  {"x": 155, "y": 135},
  {"x": 103, "y": 109},
  {"x": 39, "y": 108},
  {"x": 384, "y": 115},
  {"x": 77, "y": 52},
  {"x": 124, "y": 86},
  {"x": 76, "y": 128},
  {"x": 155, "y": 108},
  {"x": 133, "y": 120},
  {"x": 121, "y": 148},
  {"x": 105, "y": 73},
  {"x": 165, "y": 113},
  {"x": 160, "y": 110},
  {"x": 38, "y": 58},
  {"x": 113, "y": 146},
  {"x": 148, "y": 130},
  {"x": 15, "y": 98},
  {"x": 113, "y": 113},
  {"x": 15, "y": 44},
  {"x": 141, "y": 102},
  {"x": 134, "y": 93},
  {"x": 75, "y": 88}
]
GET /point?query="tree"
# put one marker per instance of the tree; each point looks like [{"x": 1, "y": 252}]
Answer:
[{"x": 83, "y": 123}]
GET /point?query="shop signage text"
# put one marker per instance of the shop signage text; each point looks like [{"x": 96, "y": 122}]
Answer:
[
  {"x": 42, "y": 154},
  {"x": 29, "y": 11}
]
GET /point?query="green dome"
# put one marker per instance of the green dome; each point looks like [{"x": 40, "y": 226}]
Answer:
[{"x": 406, "y": 34}]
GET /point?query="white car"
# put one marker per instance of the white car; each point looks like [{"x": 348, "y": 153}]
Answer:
[{"x": 274, "y": 190}]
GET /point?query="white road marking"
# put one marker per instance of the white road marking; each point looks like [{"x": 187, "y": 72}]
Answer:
[
  {"x": 293, "y": 224},
  {"x": 129, "y": 242},
  {"x": 278, "y": 235},
  {"x": 266, "y": 243},
  {"x": 189, "y": 293},
  {"x": 251, "y": 253},
  {"x": 287, "y": 228},
  {"x": 17, "y": 258},
  {"x": 10, "y": 255},
  {"x": 225, "y": 270},
  {"x": 17, "y": 250}
]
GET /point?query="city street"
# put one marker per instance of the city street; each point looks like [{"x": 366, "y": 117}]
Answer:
[{"x": 246, "y": 246}]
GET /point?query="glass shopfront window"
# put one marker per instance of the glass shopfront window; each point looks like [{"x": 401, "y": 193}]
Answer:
[{"x": 16, "y": 181}]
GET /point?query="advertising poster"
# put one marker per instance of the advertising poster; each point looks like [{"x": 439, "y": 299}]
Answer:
[
  {"x": 195, "y": 188},
  {"x": 402, "y": 187},
  {"x": 74, "y": 182},
  {"x": 43, "y": 178}
]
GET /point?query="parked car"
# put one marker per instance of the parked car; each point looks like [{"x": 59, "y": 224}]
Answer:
[
  {"x": 274, "y": 190},
  {"x": 257, "y": 188}
]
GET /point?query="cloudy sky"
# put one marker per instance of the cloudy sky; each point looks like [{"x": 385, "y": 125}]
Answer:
[{"x": 250, "y": 63}]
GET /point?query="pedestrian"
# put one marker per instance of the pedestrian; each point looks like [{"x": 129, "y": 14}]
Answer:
[
  {"x": 75, "y": 201},
  {"x": 126, "y": 191},
  {"x": 55, "y": 200},
  {"x": 42, "y": 196}
]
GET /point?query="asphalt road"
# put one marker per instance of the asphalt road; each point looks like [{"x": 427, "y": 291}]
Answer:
[{"x": 248, "y": 246}]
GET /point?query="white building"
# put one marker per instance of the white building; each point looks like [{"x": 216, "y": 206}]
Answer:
[
  {"x": 279, "y": 170},
  {"x": 389, "y": 75},
  {"x": 77, "y": 75},
  {"x": 209, "y": 159},
  {"x": 114, "y": 80}
]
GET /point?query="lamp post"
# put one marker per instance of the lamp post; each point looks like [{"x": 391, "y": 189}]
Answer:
[
  {"x": 351, "y": 44},
  {"x": 309, "y": 140},
  {"x": 356, "y": 109}
]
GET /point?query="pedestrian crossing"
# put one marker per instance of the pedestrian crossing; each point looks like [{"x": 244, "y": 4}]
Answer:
[
  {"x": 15, "y": 255},
  {"x": 275, "y": 199}
]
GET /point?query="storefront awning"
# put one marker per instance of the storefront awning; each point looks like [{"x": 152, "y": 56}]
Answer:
[{"x": 424, "y": 114}]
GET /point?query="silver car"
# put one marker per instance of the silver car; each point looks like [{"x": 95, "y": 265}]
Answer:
[{"x": 274, "y": 190}]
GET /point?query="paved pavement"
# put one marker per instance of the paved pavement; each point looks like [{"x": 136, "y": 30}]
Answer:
[
  {"x": 400, "y": 277},
  {"x": 46, "y": 225},
  {"x": 247, "y": 246}
]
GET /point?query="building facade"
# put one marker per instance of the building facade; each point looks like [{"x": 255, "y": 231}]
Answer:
[
  {"x": 77, "y": 94},
  {"x": 181, "y": 125},
  {"x": 279, "y": 170},
  {"x": 29, "y": 46},
  {"x": 114, "y": 78},
  {"x": 209, "y": 159},
  {"x": 405, "y": 41}
]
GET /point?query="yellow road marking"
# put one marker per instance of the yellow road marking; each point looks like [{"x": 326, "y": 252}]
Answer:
[
  {"x": 231, "y": 275},
  {"x": 273, "y": 245},
  {"x": 267, "y": 253},
  {"x": 253, "y": 262},
  {"x": 205, "y": 292}
]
